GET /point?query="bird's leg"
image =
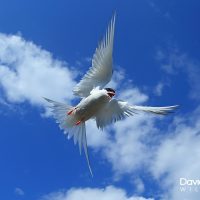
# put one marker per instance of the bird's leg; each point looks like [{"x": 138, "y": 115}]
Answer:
[
  {"x": 78, "y": 122},
  {"x": 71, "y": 111}
]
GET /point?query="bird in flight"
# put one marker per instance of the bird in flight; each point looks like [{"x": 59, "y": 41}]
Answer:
[{"x": 97, "y": 102}]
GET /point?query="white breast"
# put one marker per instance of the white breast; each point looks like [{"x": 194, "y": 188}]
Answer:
[{"x": 89, "y": 106}]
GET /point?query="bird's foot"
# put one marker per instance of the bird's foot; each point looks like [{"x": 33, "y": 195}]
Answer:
[
  {"x": 78, "y": 122},
  {"x": 81, "y": 120},
  {"x": 71, "y": 111}
]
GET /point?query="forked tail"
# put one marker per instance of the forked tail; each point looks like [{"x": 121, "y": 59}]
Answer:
[{"x": 68, "y": 124}]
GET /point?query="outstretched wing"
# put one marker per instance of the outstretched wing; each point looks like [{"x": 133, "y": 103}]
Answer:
[
  {"x": 101, "y": 71},
  {"x": 114, "y": 111},
  {"x": 117, "y": 110}
]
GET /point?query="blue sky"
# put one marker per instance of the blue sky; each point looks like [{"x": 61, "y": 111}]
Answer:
[{"x": 46, "y": 46}]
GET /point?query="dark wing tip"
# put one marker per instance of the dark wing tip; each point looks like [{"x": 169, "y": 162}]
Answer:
[{"x": 49, "y": 100}]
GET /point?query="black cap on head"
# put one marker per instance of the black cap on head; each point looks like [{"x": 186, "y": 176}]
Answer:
[{"x": 110, "y": 90}]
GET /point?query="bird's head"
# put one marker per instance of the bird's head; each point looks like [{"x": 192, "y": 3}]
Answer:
[{"x": 110, "y": 92}]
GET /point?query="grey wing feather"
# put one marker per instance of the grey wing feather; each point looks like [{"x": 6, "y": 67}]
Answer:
[
  {"x": 156, "y": 110},
  {"x": 114, "y": 111},
  {"x": 101, "y": 71},
  {"x": 117, "y": 110}
]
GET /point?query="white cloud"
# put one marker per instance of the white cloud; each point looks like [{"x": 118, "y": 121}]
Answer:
[
  {"x": 132, "y": 95},
  {"x": 19, "y": 191},
  {"x": 96, "y": 138},
  {"x": 178, "y": 156},
  {"x": 125, "y": 90},
  {"x": 128, "y": 141},
  {"x": 28, "y": 73},
  {"x": 159, "y": 10},
  {"x": 108, "y": 193},
  {"x": 117, "y": 78},
  {"x": 129, "y": 149},
  {"x": 175, "y": 62},
  {"x": 139, "y": 185},
  {"x": 159, "y": 89}
]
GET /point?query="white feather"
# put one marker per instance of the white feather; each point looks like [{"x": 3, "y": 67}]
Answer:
[
  {"x": 156, "y": 110},
  {"x": 101, "y": 71},
  {"x": 117, "y": 110},
  {"x": 67, "y": 123},
  {"x": 98, "y": 104},
  {"x": 114, "y": 111}
]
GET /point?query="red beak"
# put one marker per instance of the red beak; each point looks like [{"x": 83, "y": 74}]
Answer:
[{"x": 111, "y": 94}]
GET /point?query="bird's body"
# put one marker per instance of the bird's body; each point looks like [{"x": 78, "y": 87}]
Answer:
[
  {"x": 97, "y": 102},
  {"x": 90, "y": 106}
]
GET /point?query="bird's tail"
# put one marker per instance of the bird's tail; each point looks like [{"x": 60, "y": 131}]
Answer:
[
  {"x": 68, "y": 124},
  {"x": 156, "y": 110}
]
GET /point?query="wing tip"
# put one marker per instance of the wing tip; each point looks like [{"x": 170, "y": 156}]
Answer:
[
  {"x": 172, "y": 109},
  {"x": 114, "y": 16},
  {"x": 49, "y": 100}
]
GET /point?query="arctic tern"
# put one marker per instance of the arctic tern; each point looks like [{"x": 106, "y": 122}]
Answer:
[{"x": 97, "y": 102}]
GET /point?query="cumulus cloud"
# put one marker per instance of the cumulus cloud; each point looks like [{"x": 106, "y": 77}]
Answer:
[
  {"x": 19, "y": 191},
  {"x": 117, "y": 78},
  {"x": 133, "y": 95},
  {"x": 139, "y": 185},
  {"x": 108, "y": 193},
  {"x": 28, "y": 73},
  {"x": 159, "y": 89},
  {"x": 178, "y": 157},
  {"x": 174, "y": 62},
  {"x": 97, "y": 139},
  {"x": 168, "y": 154},
  {"x": 122, "y": 148},
  {"x": 128, "y": 150}
]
